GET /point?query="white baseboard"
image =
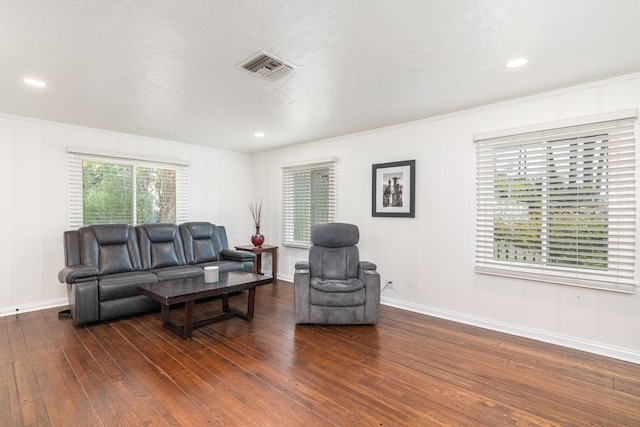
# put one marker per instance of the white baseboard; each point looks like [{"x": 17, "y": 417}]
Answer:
[
  {"x": 548, "y": 337},
  {"x": 8, "y": 311}
]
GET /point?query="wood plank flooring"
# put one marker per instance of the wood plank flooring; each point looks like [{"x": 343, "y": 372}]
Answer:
[{"x": 409, "y": 370}]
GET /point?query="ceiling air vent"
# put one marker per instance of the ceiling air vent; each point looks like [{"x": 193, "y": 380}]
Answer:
[{"x": 267, "y": 66}]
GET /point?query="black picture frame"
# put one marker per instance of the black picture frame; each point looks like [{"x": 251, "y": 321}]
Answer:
[{"x": 393, "y": 189}]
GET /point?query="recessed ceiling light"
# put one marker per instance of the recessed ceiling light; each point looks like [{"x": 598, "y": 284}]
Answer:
[
  {"x": 517, "y": 62},
  {"x": 259, "y": 134},
  {"x": 34, "y": 82}
]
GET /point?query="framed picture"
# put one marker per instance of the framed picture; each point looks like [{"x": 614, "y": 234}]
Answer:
[{"x": 393, "y": 189}]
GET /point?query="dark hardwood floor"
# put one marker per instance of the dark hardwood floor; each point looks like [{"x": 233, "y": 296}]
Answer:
[{"x": 410, "y": 369}]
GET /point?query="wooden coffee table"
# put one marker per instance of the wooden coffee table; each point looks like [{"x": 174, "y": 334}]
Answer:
[{"x": 188, "y": 291}]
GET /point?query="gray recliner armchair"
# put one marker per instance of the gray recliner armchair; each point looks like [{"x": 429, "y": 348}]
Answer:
[{"x": 334, "y": 286}]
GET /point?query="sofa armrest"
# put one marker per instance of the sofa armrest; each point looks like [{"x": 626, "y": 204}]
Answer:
[
  {"x": 77, "y": 273},
  {"x": 240, "y": 256},
  {"x": 83, "y": 301}
]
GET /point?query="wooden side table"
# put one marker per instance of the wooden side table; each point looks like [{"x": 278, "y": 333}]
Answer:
[{"x": 257, "y": 265}]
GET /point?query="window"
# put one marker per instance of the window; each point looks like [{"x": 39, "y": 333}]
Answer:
[
  {"x": 309, "y": 198},
  {"x": 557, "y": 203},
  {"x": 114, "y": 190}
]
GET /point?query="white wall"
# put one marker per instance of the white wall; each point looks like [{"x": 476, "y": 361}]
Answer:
[
  {"x": 34, "y": 201},
  {"x": 431, "y": 257}
]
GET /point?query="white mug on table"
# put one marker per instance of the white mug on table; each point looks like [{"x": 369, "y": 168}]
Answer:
[{"x": 211, "y": 274}]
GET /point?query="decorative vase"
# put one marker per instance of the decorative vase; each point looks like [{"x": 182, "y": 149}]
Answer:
[{"x": 257, "y": 239}]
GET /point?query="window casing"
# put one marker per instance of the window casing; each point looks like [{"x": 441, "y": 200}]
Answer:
[
  {"x": 105, "y": 189},
  {"x": 309, "y": 198},
  {"x": 559, "y": 204}
]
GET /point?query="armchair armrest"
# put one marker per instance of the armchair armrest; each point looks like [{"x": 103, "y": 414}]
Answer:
[
  {"x": 301, "y": 283},
  {"x": 77, "y": 273},
  {"x": 366, "y": 265},
  {"x": 234, "y": 255},
  {"x": 302, "y": 276},
  {"x": 371, "y": 278},
  {"x": 302, "y": 265}
]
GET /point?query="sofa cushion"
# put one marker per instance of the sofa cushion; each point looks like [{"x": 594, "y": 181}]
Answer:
[
  {"x": 111, "y": 234},
  {"x": 200, "y": 230},
  {"x": 201, "y": 242},
  {"x": 123, "y": 285},
  {"x": 160, "y": 246},
  {"x": 178, "y": 272},
  {"x": 111, "y": 248},
  {"x": 204, "y": 251},
  {"x": 116, "y": 308},
  {"x": 224, "y": 266},
  {"x": 160, "y": 232},
  {"x": 114, "y": 259},
  {"x": 163, "y": 254}
]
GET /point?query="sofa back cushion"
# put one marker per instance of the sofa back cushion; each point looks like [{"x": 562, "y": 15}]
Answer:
[
  {"x": 160, "y": 246},
  {"x": 111, "y": 248},
  {"x": 201, "y": 242}
]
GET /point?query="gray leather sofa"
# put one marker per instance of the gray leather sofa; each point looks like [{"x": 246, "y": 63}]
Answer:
[
  {"x": 334, "y": 286},
  {"x": 104, "y": 264}
]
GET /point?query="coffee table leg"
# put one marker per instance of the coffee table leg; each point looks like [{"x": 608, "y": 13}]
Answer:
[
  {"x": 188, "y": 319},
  {"x": 166, "y": 313},
  {"x": 184, "y": 331},
  {"x": 251, "y": 303}
]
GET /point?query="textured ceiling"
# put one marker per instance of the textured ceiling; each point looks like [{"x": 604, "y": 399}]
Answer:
[{"x": 168, "y": 68}]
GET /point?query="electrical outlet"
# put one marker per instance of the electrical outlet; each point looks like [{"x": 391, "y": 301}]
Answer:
[{"x": 388, "y": 283}]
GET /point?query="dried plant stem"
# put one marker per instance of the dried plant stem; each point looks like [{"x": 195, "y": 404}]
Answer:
[{"x": 256, "y": 212}]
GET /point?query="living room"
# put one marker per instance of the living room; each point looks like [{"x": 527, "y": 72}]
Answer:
[{"x": 430, "y": 257}]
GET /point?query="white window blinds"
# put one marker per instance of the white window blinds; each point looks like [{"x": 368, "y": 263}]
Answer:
[
  {"x": 309, "y": 198},
  {"x": 105, "y": 189},
  {"x": 559, "y": 204}
]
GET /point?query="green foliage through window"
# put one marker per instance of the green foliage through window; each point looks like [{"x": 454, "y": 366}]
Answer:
[{"x": 117, "y": 193}]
